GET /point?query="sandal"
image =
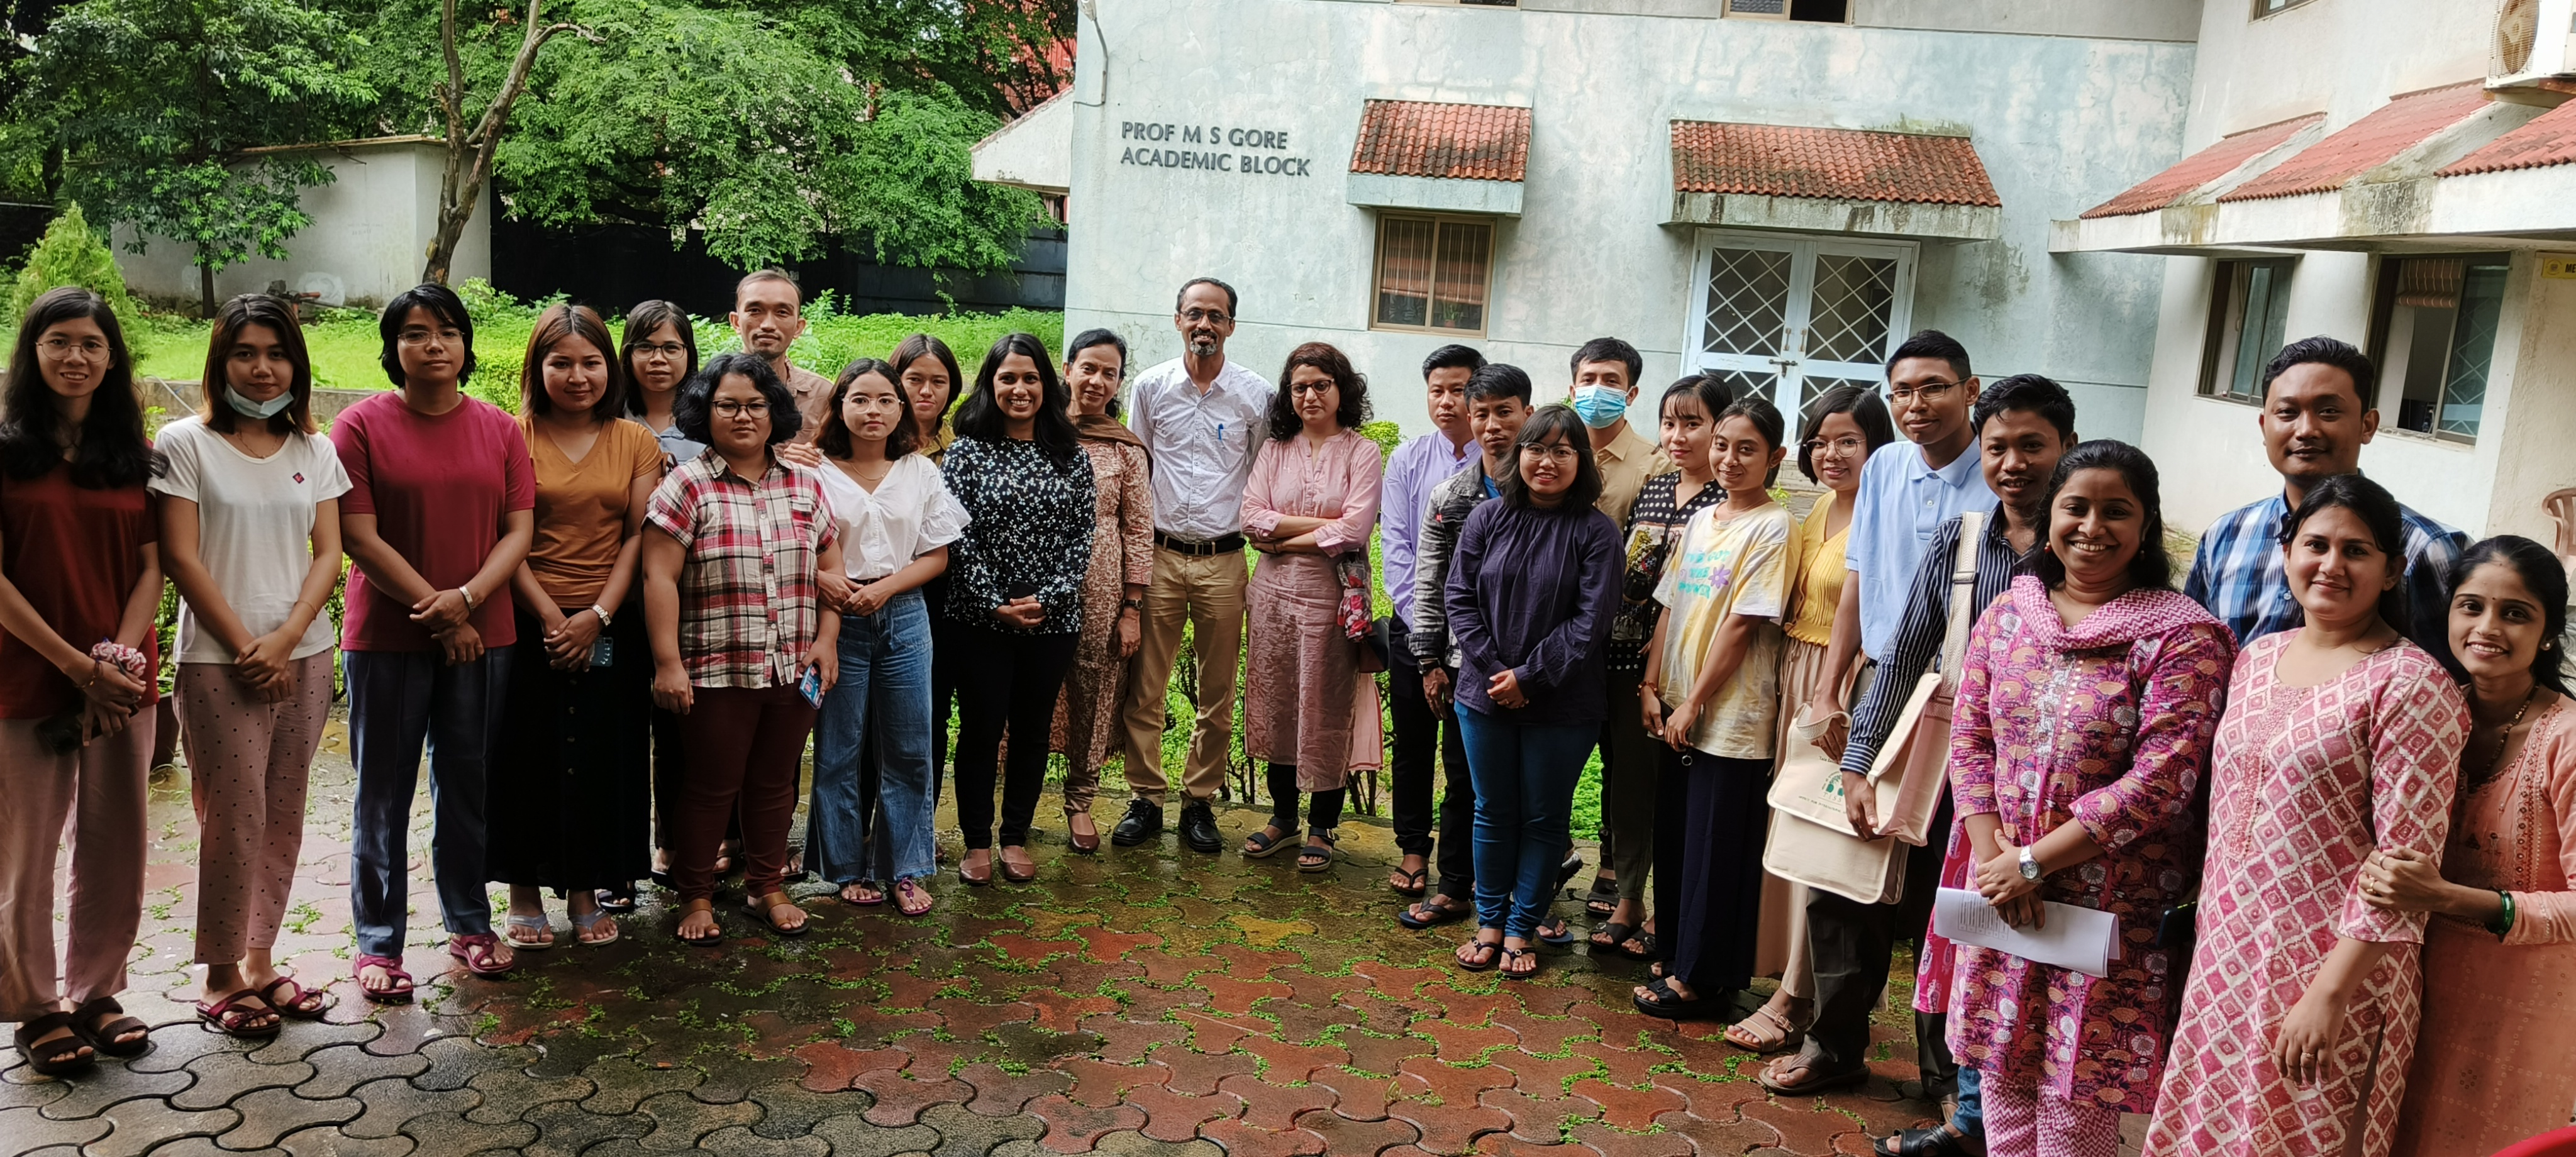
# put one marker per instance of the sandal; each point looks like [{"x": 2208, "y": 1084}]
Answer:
[
  {"x": 1262, "y": 845},
  {"x": 1776, "y": 1077},
  {"x": 1660, "y": 1000},
  {"x": 511, "y": 928},
  {"x": 910, "y": 898},
  {"x": 58, "y": 1057},
  {"x": 1555, "y": 933},
  {"x": 1083, "y": 842},
  {"x": 1489, "y": 951},
  {"x": 1512, "y": 956},
  {"x": 479, "y": 953},
  {"x": 765, "y": 908},
  {"x": 1434, "y": 912},
  {"x": 1019, "y": 871},
  {"x": 1764, "y": 1032},
  {"x": 584, "y": 923},
  {"x": 1603, "y": 899},
  {"x": 618, "y": 899},
  {"x": 870, "y": 896},
  {"x": 103, "y": 1023},
  {"x": 399, "y": 983},
  {"x": 1608, "y": 937},
  {"x": 1312, "y": 858},
  {"x": 306, "y": 1004},
  {"x": 231, "y": 1017},
  {"x": 1937, "y": 1141},
  {"x": 1410, "y": 881},
  {"x": 966, "y": 871},
  {"x": 715, "y": 932}
]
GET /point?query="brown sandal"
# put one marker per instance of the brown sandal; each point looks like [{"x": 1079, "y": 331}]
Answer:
[
  {"x": 765, "y": 909},
  {"x": 1765, "y": 1032},
  {"x": 715, "y": 931},
  {"x": 1778, "y": 1076}
]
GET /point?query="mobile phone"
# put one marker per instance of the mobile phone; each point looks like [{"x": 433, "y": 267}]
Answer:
[
  {"x": 812, "y": 685},
  {"x": 603, "y": 652}
]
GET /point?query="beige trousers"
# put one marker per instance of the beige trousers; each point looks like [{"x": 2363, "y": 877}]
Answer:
[
  {"x": 1206, "y": 594},
  {"x": 93, "y": 797}
]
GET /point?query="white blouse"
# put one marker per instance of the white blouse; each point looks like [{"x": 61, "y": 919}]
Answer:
[{"x": 910, "y": 514}]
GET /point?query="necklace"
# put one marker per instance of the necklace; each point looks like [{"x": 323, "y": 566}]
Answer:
[
  {"x": 2504, "y": 736},
  {"x": 851, "y": 468}
]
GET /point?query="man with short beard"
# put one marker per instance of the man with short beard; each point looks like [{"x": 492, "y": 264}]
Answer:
[
  {"x": 1201, "y": 417},
  {"x": 769, "y": 315}
]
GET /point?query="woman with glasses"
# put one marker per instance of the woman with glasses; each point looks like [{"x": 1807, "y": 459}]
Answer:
[
  {"x": 1113, "y": 592},
  {"x": 439, "y": 515},
  {"x": 80, "y": 580},
  {"x": 1308, "y": 508}
]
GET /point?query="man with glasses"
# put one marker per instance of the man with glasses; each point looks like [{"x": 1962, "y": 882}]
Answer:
[
  {"x": 769, "y": 315},
  {"x": 1201, "y": 417}
]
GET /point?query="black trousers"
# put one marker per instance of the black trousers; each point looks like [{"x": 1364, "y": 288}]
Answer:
[
  {"x": 1422, "y": 733},
  {"x": 1710, "y": 823},
  {"x": 1323, "y": 808},
  {"x": 1009, "y": 684},
  {"x": 1853, "y": 943}
]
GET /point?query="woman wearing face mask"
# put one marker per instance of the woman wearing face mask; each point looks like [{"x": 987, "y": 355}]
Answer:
[
  {"x": 569, "y": 805},
  {"x": 1113, "y": 591},
  {"x": 2086, "y": 703},
  {"x": 250, "y": 526},
  {"x": 1530, "y": 593},
  {"x": 1015, "y": 590},
  {"x": 2341, "y": 738},
  {"x": 2493, "y": 1066},
  {"x": 1308, "y": 507}
]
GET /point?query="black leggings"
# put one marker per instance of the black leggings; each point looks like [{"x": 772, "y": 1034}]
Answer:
[
  {"x": 1009, "y": 683},
  {"x": 1324, "y": 811}
]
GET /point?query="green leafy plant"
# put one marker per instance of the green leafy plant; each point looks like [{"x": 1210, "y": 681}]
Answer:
[{"x": 72, "y": 254}]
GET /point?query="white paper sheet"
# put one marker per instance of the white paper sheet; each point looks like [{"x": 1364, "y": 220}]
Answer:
[{"x": 2083, "y": 939}]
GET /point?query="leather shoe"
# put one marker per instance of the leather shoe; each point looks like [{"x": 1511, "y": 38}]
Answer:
[
  {"x": 1198, "y": 827},
  {"x": 1143, "y": 822}
]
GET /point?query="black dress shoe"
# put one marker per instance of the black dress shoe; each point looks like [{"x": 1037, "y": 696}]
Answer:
[
  {"x": 1198, "y": 827},
  {"x": 1143, "y": 822}
]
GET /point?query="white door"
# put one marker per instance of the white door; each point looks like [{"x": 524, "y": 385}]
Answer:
[{"x": 1790, "y": 317}]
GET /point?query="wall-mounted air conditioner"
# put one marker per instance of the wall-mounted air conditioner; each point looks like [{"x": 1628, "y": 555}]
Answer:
[{"x": 2534, "y": 44}]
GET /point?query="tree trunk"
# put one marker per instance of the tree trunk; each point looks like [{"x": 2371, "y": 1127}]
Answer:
[{"x": 205, "y": 289}]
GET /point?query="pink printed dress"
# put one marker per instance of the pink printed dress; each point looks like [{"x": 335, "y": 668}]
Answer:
[
  {"x": 2107, "y": 724},
  {"x": 2307, "y": 781}
]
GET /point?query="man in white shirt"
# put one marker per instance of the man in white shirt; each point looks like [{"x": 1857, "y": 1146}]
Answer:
[{"x": 1201, "y": 417}]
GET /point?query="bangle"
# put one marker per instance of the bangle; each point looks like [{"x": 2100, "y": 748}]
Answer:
[
  {"x": 2503, "y": 925},
  {"x": 466, "y": 593}
]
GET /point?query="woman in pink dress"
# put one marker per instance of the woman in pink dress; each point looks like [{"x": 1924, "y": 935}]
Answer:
[
  {"x": 2341, "y": 738},
  {"x": 2086, "y": 703},
  {"x": 2494, "y": 1066}
]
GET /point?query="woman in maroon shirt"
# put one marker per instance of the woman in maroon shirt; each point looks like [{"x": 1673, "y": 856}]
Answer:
[{"x": 80, "y": 579}]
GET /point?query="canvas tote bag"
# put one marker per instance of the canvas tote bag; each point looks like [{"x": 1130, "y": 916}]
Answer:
[{"x": 1810, "y": 841}]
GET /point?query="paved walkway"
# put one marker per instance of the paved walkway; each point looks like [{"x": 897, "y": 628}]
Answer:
[{"x": 1144, "y": 1001}]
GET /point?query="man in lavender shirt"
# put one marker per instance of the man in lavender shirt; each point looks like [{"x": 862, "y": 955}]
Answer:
[{"x": 1411, "y": 472}]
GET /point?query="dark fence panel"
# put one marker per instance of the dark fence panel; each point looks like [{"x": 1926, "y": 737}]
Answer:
[{"x": 612, "y": 267}]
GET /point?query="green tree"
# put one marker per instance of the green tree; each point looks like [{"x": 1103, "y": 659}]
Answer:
[
  {"x": 162, "y": 114},
  {"x": 470, "y": 150},
  {"x": 70, "y": 253}
]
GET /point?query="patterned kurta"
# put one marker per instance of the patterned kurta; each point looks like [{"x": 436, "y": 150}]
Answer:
[
  {"x": 2107, "y": 724},
  {"x": 1301, "y": 669},
  {"x": 2308, "y": 780},
  {"x": 1122, "y": 552}
]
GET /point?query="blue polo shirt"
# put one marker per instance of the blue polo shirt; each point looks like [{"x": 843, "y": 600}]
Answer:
[{"x": 1902, "y": 501}]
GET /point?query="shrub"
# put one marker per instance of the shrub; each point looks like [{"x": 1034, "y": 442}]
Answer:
[{"x": 71, "y": 253}]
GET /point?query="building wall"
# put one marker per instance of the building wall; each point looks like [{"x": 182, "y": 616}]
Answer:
[
  {"x": 2061, "y": 122},
  {"x": 371, "y": 230}
]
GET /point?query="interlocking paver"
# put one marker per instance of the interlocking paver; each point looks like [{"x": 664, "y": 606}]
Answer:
[
  {"x": 507, "y": 1096},
  {"x": 737, "y": 1141},
  {"x": 271, "y": 1113},
  {"x": 679, "y": 1119},
  {"x": 224, "y": 1077},
  {"x": 851, "y": 1135},
  {"x": 563, "y": 1129},
  {"x": 390, "y": 1101},
  {"x": 448, "y": 1135},
  {"x": 140, "y": 1125},
  {"x": 340, "y": 1068},
  {"x": 105, "y": 1086},
  {"x": 329, "y": 1142}
]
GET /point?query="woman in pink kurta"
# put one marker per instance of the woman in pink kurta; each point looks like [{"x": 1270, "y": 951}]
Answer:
[
  {"x": 1308, "y": 507},
  {"x": 2312, "y": 775}
]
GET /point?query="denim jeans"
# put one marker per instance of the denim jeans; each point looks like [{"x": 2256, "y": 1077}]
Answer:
[
  {"x": 1525, "y": 780},
  {"x": 1970, "y": 1120},
  {"x": 882, "y": 694},
  {"x": 398, "y": 700}
]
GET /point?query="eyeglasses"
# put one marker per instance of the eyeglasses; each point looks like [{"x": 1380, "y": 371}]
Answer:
[
  {"x": 667, "y": 349},
  {"x": 1928, "y": 392},
  {"x": 1844, "y": 445},
  {"x": 1310, "y": 387},
  {"x": 1210, "y": 316},
  {"x": 60, "y": 348},
  {"x": 422, "y": 336},
  {"x": 734, "y": 409}
]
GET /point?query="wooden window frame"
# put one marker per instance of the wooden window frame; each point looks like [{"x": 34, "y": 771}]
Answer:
[{"x": 1377, "y": 271}]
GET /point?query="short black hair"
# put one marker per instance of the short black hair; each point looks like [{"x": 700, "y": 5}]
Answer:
[
  {"x": 1607, "y": 349},
  {"x": 1766, "y": 418},
  {"x": 443, "y": 304},
  {"x": 773, "y": 273},
  {"x": 692, "y": 410},
  {"x": 1559, "y": 420},
  {"x": 1711, "y": 391},
  {"x": 1867, "y": 411},
  {"x": 1177, "y": 298},
  {"x": 2151, "y": 568},
  {"x": 1351, "y": 410},
  {"x": 1096, "y": 336},
  {"x": 641, "y": 321},
  {"x": 2379, "y": 513},
  {"x": 2326, "y": 351},
  {"x": 833, "y": 436},
  {"x": 1499, "y": 380},
  {"x": 2545, "y": 576},
  {"x": 1932, "y": 343},
  {"x": 1452, "y": 357},
  {"x": 2028, "y": 394}
]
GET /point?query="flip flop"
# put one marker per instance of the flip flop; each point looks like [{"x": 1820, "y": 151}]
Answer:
[
  {"x": 228, "y": 1017},
  {"x": 907, "y": 888},
  {"x": 715, "y": 933},
  {"x": 1608, "y": 937},
  {"x": 1416, "y": 882},
  {"x": 618, "y": 899},
  {"x": 1564, "y": 934},
  {"x": 1856, "y": 1075},
  {"x": 1512, "y": 954},
  {"x": 1449, "y": 913},
  {"x": 597, "y": 916},
  {"x": 53, "y": 1058},
  {"x": 765, "y": 909},
  {"x": 1603, "y": 899},
  {"x": 102, "y": 1038},
  {"x": 296, "y": 1008},
  {"x": 478, "y": 954},
  {"x": 511, "y": 928},
  {"x": 1490, "y": 962},
  {"x": 1764, "y": 1032},
  {"x": 1660, "y": 1000},
  {"x": 399, "y": 994}
]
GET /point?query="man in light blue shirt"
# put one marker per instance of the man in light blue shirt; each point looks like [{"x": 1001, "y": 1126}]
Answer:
[{"x": 1411, "y": 472}]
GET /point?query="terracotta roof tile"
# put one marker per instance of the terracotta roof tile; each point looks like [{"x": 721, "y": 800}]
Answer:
[
  {"x": 1838, "y": 164},
  {"x": 2548, "y": 139},
  {"x": 1468, "y": 142},
  {"x": 2401, "y": 124},
  {"x": 2201, "y": 168}
]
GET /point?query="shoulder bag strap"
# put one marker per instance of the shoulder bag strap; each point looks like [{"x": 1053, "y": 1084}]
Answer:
[{"x": 1963, "y": 596}]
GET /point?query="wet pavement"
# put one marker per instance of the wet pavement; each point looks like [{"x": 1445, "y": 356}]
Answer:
[{"x": 1141, "y": 1001}]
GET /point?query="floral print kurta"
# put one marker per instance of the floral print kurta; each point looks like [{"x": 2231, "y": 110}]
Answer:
[
  {"x": 1122, "y": 552},
  {"x": 1302, "y": 686},
  {"x": 2308, "y": 780},
  {"x": 2107, "y": 724}
]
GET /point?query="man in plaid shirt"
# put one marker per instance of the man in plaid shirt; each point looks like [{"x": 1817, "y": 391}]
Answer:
[{"x": 2315, "y": 422}]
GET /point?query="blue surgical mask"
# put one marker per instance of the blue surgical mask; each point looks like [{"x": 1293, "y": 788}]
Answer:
[
  {"x": 250, "y": 409},
  {"x": 1600, "y": 407}
]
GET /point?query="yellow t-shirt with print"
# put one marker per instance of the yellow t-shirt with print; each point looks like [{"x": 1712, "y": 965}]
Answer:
[{"x": 1735, "y": 566}]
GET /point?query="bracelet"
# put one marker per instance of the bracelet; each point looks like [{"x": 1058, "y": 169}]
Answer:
[
  {"x": 2503, "y": 925},
  {"x": 466, "y": 593},
  {"x": 93, "y": 674}
]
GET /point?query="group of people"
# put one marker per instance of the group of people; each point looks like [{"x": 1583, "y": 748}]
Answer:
[{"x": 617, "y": 620}]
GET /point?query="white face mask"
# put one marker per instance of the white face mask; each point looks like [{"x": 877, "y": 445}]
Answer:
[
  {"x": 1600, "y": 407},
  {"x": 250, "y": 409}
]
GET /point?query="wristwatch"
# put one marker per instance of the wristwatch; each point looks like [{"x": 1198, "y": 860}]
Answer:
[
  {"x": 2029, "y": 866},
  {"x": 602, "y": 612},
  {"x": 1137, "y": 605}
]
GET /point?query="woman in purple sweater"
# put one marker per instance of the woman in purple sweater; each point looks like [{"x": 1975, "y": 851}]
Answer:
[{"x": 1530, "y": 595}]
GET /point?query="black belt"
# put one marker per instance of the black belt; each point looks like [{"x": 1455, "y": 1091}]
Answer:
[{"x": 1230, "y": 544}]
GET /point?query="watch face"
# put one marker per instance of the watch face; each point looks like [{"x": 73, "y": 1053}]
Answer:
[{"x": 2029, "y": 868}]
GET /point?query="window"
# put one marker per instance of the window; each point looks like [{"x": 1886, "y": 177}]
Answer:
[
  {"x": 1788, "y": 317},
  {"x": 1813, "y": 11},
  {"x": 1432, "y": 273},
  {"x": 2248, "y": 312},
  {"x": 2264, "y": 8},
  {"x": 2433, "y": 332}
]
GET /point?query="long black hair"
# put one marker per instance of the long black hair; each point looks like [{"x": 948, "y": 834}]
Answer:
[
  {"x": 641, "y": 321},
  {"x": 693, "y": 408},
  {"x": 2151, "y": 568},
  {"x": 2378, "y": 511},
  {"x": 2544, "y": 576},
  {"x": 981, "y": 416},
  {"x": 241, "y": 312},
  {"x": 1766, "y": 420},
  {"x": 113, "y": 453},
  {"x": 1286, "y": 423}
]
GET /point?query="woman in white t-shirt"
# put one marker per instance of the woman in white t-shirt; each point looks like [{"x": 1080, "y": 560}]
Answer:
[
  {"x": 250, "y": 532},
  {"x": 868, "y": 828}
]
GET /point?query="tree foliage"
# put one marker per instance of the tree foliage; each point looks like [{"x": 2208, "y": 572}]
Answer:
[{"x": 71, "y": 253}]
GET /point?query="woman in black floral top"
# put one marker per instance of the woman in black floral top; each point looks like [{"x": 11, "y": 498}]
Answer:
[{"x": 1015, "y": 589}]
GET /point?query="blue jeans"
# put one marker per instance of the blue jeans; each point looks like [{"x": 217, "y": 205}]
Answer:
[
  {"x": 1970, "y": 1120},
  {"x": 881, "y": 695},
  {"x": 398, "y": 700},
  {"x": 1524, "y": 780}
]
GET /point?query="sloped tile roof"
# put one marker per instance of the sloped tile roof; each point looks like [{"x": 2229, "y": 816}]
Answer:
[
  {"x": 2547, "y": 139},
  {"x": 2201, "y": 168},
  {"x": 1468, "y": 142},
  {"x": 2401, "y": 124},
  {"x": 1837, "y": 164}
]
